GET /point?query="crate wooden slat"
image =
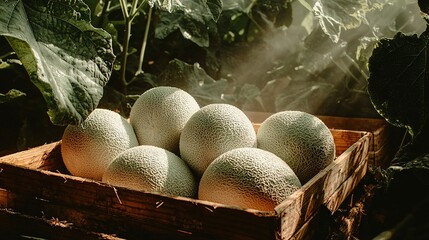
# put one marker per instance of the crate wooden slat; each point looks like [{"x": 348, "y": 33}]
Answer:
[
  {"x": 46, "y": 156},
  {"x": 16, "y": 225},
  {"x": 112, "y": 207},
  {"x": 35, "y": 181},
  {"x": 312, "y": 224},
  {"x": 297, "y": 208},
  {"x": 385, "y": 138}
]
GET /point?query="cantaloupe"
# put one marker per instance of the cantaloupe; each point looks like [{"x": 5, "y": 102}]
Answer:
[
  {"x": 248, "y": 178},
  {"x": 301, "y": 139},
  {"x": 213, "y": 130},
  {"x": 153, "y": 169},
  {"x": 159, "y": 115},
  {"x": 87, "y": 149}
]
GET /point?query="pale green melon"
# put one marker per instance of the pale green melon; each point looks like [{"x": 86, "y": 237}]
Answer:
[
  {"x": 87, "y": 149},
  {"x": 248, "y": 178},
  {"x": 301, "y": 139},
  {"x": 213, "y": 130},
  {"x": 159, "y": 115},
  {"x": 152, "y": 169}
]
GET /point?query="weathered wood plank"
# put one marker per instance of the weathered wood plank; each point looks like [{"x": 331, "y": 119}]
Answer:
[
  {"x": 347, "y": 187},
  {"x": 296, "y": 210},
  {"x": 147, "y": 210},
  {"x": 20, "y": 226},
  {"x": 46, "y": 156}
]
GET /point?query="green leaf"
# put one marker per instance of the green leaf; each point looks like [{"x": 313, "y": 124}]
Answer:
[
  {"x": 372, "y": 17},
  {"x": 270, "y": 14},
  {"x": 248, "y": 97},
  {"x": 192, "y": 29},
  {"x": 193, "y": 18},
  {"x": 209, "y": 9},
  {"x": 413, "y": 157},
  {"x": 67, "y": 58},
  {"x": 11, "y": 95},
  {"x": 300, "y": 95},
  {"x": 194, "y": 80},
  {"x": 240, "y": 5},
  {"x": 215, "y": 7},
  {"x": 398, "y": 77},
  {"x": 335, "y": 16}
]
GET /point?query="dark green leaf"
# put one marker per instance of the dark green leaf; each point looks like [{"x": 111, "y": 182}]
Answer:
[
  {"x": 412, "y": 157},
  {"x": 194, "y": 80},
  {"x": 215, "y": 7},
  {"x": 272, "y": 13},
  {"x": 193, "y": 18},
  {"x": 65, "y": 56},
  {"x": 192, "y": 29},
  {"x": 398, "y": 77}
]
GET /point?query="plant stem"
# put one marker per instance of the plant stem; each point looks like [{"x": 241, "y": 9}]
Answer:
[
  {"x": 144, "y": 42},
  {"x": 125, "y": 47},
  {"x": 6, "y": 55},
  {"x": 128, "y": 18},
  {"x": 133, "y": 9},
  {"x": 124, "y": 8}
]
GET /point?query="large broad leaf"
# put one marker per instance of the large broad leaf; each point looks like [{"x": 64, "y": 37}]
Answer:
[
  {"x": 65, "y": 56},
  {"x": 398, "y": 77},
  {"x": 379, "y": 17}
]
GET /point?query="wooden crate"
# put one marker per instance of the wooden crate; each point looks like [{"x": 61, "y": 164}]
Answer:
[
  {"x": 35, "y": 183},
  {"x": 385, "y": 138}
]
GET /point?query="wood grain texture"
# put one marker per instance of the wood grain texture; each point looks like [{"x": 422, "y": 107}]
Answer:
[
  {"x": 46, "y": 156},
  {"x": 116, "y": 208},
  {"x": 16, "y": 225}
]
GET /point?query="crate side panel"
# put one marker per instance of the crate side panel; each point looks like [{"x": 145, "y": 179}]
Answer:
[
  {"x": 344, "y": 139},
  {"x": 172, "y": 213},
  {"x": 389, "y": 144},
  {"x": 314, "y": 227},
  {"x": 100, "y": 222},
  {"x": 295, "y": 210},
  {"x": 46, "y": 156},
  {"x": 346, "y": 188},
  {"x": 20, "y": 226}
]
